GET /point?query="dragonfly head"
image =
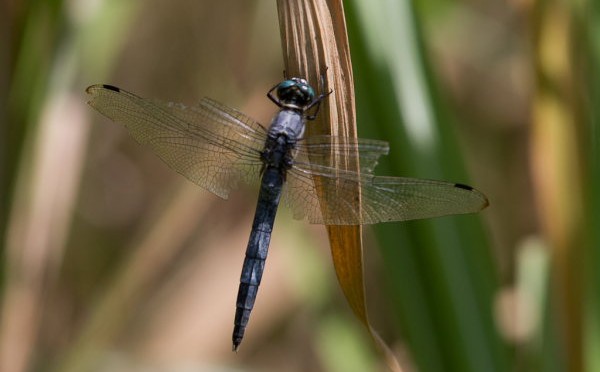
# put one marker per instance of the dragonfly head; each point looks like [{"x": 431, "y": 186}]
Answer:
[{"x": 295, "y": 93}]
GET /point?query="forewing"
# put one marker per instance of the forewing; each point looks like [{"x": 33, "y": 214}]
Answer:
[
  {"x": 210, "y": 144},
  {"x": 382, "y": 199}
]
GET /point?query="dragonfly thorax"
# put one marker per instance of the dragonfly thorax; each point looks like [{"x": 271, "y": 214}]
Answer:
[{"x": 290, "y": 123}]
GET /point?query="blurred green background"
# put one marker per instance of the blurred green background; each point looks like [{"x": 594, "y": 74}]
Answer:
[{"x": 113, "y": 262}]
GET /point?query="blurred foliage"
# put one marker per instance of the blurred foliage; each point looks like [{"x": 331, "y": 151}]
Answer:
[
  {"x": 112, "y": 262},
  {"x": 434, "y": 264}
]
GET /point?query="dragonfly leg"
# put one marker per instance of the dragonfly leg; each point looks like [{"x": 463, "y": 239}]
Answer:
[
  {"x": 272, "y": 97},
  {"x": 316, "y": 103}
]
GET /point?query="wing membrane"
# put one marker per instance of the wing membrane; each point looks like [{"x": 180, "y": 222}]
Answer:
[
  {"x": 210, "y": 144},
  {"x": 382, "y": 199},
  {"x": 322, "y": 150},
  {"x": 216, "y": 147}
]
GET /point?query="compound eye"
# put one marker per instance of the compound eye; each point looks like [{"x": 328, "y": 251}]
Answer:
[
  {"x": 285, "y": 90},
  {"x": 309, "y": 93},
  {"x": 295, "y": 91}
]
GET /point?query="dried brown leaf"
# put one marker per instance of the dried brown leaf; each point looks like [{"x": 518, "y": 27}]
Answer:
[{"x": 315, "y": 45}]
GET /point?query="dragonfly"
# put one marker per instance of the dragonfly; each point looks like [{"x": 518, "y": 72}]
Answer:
[{"x": 218, "y": 148}]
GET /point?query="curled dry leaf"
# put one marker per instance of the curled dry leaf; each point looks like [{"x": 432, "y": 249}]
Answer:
[{"x": 315, "y": 47}]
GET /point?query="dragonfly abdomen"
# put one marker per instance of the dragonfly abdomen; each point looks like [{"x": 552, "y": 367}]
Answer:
[{"x": 257, "y": 249}]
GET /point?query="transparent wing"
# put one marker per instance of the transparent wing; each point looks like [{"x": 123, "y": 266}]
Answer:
[
  {"x": 212, "y": 145},
  {"x": 322, "y": 150},
  {"x": 383, "y": 198}
]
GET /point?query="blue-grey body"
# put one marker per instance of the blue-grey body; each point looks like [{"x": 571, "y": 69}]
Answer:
[{"x": 286, "y": 128}]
